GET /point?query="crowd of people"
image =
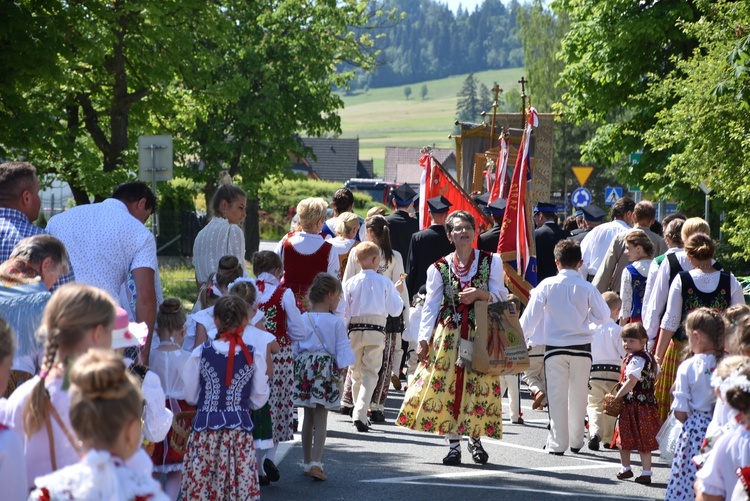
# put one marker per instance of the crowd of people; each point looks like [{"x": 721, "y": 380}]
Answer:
[{"x": 114, "y": 391}]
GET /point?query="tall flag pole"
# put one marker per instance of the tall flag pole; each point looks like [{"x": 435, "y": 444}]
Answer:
[
  {"x": 499, "y": 185},
  {"x": 425, "y": 181},
  {"x": 516, "y": 244}
]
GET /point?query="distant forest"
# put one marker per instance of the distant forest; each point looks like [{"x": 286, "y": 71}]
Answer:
[{"x": 432, "y": 42}]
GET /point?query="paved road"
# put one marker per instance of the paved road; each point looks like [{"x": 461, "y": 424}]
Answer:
[{"x": 391, "y": 463}]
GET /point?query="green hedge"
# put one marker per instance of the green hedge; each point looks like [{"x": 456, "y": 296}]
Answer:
[{"x": 278, "y": 199}]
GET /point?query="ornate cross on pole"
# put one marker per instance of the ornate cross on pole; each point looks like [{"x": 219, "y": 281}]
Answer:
[
  {"x": 496, "y": 90},
  {"x": 523, "y": 83}
]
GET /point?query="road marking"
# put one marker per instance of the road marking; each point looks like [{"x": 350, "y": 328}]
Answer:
[
  {"x": 486, "y": 473},
  {"x": 285, "y": 447},
  {"x": 526, "y": 489}
]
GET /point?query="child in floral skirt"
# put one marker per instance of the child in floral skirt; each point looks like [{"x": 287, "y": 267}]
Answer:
[
  {"x": 322, "y": 359},
  {"x": 225, "y": 379},
  {"x": 639, "y": 422}
]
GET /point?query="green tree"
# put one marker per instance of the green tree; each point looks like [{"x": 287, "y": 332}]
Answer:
[
  {"x": 407, "y": 92},
  {"x": 468, "y": 107},
  {"x": 485, "y": 98},
  {"x": 423, "y": 92}
]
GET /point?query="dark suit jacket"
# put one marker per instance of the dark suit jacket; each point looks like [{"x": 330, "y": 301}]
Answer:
[
  {"x": 545, "y": 239},
  {"x": 401, "y": 227},
  {"x": 488, "y": 240},
  {"x": 426, "y": 247},
  {"x": 579, "y": 235}
]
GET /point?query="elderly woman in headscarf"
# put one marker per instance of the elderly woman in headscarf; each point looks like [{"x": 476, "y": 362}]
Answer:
[{"x": 25, "y": 282}]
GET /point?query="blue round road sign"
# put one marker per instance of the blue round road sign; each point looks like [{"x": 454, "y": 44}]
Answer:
[{"x": 580, "y": 197}]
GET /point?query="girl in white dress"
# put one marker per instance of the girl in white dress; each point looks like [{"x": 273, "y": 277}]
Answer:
[
  {"x": 78, "y": 317},
  {"x": 321, "y": 361},
  {"x": 168, "y": 361},
  {"x": 105, "y": 412},
  {"x": 12, "y": 469}
]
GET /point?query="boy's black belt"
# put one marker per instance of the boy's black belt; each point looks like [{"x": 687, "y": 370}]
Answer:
[
  {"x": 605, "y": 368},
  {"x": 366, "y": 327}
]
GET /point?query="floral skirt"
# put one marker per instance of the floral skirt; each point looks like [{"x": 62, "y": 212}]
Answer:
[
  {"x": 167, "y": 454},
  {"x": 637, "y": 427},
  {"x": 281, "y": 399},
  {"x": 316, "y": 381},
  {"x": 682, "y": 477},
  {"x": 220, "y": 464},
  {"x": 663, "y": 388},
  {"x": 380, "y": 395},
  {"x": 445, "y": 399}
]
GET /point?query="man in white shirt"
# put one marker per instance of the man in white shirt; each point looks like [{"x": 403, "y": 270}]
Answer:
[
  {"x": 108, "y": 240},
  {"x": 563, "y": 307},
  {"x": 615, "y": 260},
  {"x": 595, "y": 245}
]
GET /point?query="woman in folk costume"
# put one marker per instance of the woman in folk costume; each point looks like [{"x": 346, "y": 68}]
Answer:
[
  {"x": 305, "y": 253},
  {"x": 704, "y": 285},
  {"x": 445, "y": 398},
  {"x": 284, "y": 320},
  {"x": 25, "y": 282}
]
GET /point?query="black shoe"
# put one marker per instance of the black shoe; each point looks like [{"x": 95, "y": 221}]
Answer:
[
  {"x": 478, "y": 454},
  {"x": 347, "y": 411},
  {"x": 575, "y": 450},
  {"x": 272, "y": 472},
  {"x": 402, "y": 376},
  {"x": 594, "y": 443},
  {"x": 557, "y": 453},
  {"x": 453, "y": 458},
  {"x": 623, "y": 475},
  {"x": 361, "y": 427},
  {"x": 377, "y": 417},
  {"x": 263, "y": 480}
]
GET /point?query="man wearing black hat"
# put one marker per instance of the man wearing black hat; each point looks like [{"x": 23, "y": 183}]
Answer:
[
  {"x": 400, "y": 224},
  {"x": 546, "y": 236},
  {"x": 429, "y": 245},
  {"x": 488, "y": 240},
  {"x": 593, "y": 216}
]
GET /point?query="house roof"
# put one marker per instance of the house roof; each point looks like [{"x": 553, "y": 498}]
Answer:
[
  {"x": 336, "y": 158},
  {"x": 402, "y": 164}
]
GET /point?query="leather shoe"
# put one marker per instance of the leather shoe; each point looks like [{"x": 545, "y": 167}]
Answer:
[
  {"x": 538, "y": 400},
  {"x": 396, "y": 382},
  {"x": 347, "y": 411},
  {"x": 263, "y": 480},
  {"x": 594, "y": 443},
  {"x": 575, "y": 450},
  {"x": 316, "y": 472},
  {"x": 557, "y": 453},
  {"x": 520, "y": 421},
  {"x": 478, "y": 454},
  {"x": 377, "y": 417},
  {"x": 453, "y": 458},
  {"x": 626, "y": 474},
  {"x": 643, "y": 480},
  {"x": 361, "y": 427},
  {"x": 272, "y": 471}
]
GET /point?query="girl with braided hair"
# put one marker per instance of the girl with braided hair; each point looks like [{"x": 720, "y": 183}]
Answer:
[
  {"x": 105, "y": 412},
  {"x": 78, "y": 317}
]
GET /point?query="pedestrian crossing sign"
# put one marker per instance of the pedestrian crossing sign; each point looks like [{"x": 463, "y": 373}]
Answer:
[{"x": 612, "y": 194}]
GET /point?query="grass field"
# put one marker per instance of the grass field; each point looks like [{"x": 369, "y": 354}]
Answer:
[{"x": 384, "y": 117}]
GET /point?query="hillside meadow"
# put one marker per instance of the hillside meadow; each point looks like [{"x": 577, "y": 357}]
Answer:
[{"x": 384, "y": 117}]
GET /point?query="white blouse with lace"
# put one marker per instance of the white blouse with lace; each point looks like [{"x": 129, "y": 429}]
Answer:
[{"x": 216, "y": 240}]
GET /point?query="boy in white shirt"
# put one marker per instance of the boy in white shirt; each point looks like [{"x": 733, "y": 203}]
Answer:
[
  {"x": 369, "y": 298},
  {"x": 563, "y": 306},
  {"x": 606, "y": 353}
]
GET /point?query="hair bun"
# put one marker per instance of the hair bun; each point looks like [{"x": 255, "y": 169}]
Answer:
[
  {"x": 170, "y": 306},
  {"x": 99, "y": 373},
  {"x": 225, "y": 178}
]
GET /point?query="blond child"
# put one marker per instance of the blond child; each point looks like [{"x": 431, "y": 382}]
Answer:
[
  {"x": 638, "y": 422},
  {"x": 693, "y": 397},
  {"x": 167, "y": 361},
  {"x": 369, "y": 298},
  {"x": 606, "y": 356},
  {"x": 105, "y": 413},
  {"x": 12, "y": 470},
  {"x": 78, "y": 317},
  {"x": 640, "y": 250}
]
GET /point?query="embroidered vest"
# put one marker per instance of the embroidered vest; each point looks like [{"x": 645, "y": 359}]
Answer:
[
  {"x": 275, "y": 316},
  {"x": 693, "y": 298},
  {"x": 643, "y": 391},
  {"x": 638, "y": 284},
  {"x": 220, "y": 406},
  {"x": 450, "y": 313},
  {"x": 300, "y": 269}
]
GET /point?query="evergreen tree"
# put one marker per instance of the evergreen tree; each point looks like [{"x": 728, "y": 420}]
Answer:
[
  {"x": 468, "y": 107},
  {"x": 423, "y": 92},
  {"x": 407, "y": 92},
  {"x": 485, "y": 99}
]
